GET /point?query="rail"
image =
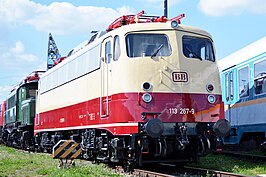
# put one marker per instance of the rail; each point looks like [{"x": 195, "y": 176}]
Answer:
[
  {"x": 173, "y": 171},
  {"x": 208, "y": 172},
  {"x": 252, "y": 158}
]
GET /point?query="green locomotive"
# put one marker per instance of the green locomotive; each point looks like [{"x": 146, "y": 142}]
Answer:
[{"x": 20, "y": 112}]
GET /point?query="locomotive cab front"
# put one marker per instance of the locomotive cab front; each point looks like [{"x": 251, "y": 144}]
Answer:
[{"x": 166, "y": 79}]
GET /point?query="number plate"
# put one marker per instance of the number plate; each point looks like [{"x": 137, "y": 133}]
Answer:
[{"x": 181, "y": 111}]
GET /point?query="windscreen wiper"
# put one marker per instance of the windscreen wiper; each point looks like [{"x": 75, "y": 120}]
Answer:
[
  {"x": 157, "y": 50},
  {"x": 194, "y": 55}
]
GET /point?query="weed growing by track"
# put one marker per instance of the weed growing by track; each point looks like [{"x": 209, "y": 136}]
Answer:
[{"x": 20, "y": 163}]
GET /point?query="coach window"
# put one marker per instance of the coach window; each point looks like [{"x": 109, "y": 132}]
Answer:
[
  {"x": 198, "y": 48},
  {"x": 108, "y": 54},
  {"x": 117, "y": 50},
  {"x": 260, "y": 77},
  {"x": 243, "y": 82}
]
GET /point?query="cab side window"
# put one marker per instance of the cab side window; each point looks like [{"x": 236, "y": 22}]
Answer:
[
  {"x": 117, "y": 50},
  {"x": 108, "y": 54}
]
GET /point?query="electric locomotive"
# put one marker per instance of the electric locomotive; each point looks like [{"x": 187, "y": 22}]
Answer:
[
  {"x": 20, "y": 113},
  {"x": 146, "y": 90}
]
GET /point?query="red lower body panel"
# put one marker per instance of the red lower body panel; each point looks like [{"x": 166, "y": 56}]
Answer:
[{"x": 125, "y": 109}]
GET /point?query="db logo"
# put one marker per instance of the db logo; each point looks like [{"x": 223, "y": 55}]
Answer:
[{"x": 180, "y": 77}]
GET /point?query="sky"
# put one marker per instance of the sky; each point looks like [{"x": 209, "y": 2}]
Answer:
[{"x": 25, "y": 26}]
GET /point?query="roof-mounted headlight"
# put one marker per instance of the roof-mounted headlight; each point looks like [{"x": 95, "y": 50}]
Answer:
[{"x": 174, "y": 24}]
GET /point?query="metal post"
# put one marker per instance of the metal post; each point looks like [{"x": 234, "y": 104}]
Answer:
[{"x": 165, "y": 8}]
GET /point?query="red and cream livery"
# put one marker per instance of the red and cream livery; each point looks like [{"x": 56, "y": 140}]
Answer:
[
  {"x": 2, "y": 118},
  {"x": 147, "y": 90}
]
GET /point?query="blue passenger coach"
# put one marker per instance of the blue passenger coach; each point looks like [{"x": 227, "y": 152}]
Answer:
[{"x": 243, "y": 77}]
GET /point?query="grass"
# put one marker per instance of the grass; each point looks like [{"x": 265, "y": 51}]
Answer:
[
  {"x": 18, "y": 163},
  {"x": 230, "y": 164}
]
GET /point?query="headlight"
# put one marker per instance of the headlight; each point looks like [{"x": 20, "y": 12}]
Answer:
[
  {"x": 209, "y": 87},
  {"x": 211, "y": 99},
  {"x": 146, "y": 86},
  {"x": 146, "y": 97}
]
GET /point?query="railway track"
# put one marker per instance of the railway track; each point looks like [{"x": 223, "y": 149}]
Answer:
[
  {"x": 208, "y": 172},
  {"x": 147, "y": 173},
  {"x": 252, "y": 158},
  {"x": 174, "y": 171}
]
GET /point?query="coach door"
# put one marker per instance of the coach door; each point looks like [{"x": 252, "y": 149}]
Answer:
[
  {"x": 229, "y": 94},
  {"x": 106, "y": 56}
]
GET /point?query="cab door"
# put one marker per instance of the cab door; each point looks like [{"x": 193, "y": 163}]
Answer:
[{"x": 106, "y": 58}]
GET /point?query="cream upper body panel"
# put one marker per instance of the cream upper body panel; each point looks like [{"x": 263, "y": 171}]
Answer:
[
  {"x": 128, "y": 73},
  {"x": 158, "y": 70}
]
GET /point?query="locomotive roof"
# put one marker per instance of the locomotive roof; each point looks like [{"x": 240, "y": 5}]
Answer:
[
  {"x": 158, "y": 27},
  {"x": 26, "y": 81},
  {"x": 136, "y": 27},
  {"x": 247, "y": 53}
]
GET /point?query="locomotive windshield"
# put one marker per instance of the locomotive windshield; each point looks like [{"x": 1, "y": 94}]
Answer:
[
  {"x": 143, "y": 45},
  {"x": 31, "y": 93},
  {"x": 196, "y": 47}
]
